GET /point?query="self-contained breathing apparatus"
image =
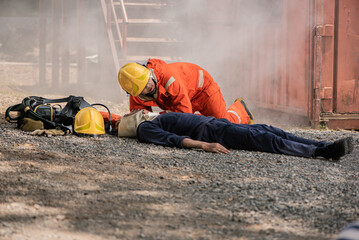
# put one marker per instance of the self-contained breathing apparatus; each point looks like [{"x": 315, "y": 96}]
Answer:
[{"x": 51, "y": 113}]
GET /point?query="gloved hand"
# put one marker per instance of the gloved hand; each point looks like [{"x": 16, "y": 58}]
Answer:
[
  {"x": 48, "y": 132},
  {"x": 29, "y": 125}
]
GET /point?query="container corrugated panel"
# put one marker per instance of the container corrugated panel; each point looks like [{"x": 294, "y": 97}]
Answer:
[
  {"x": 275, "y": 69},
  {"x": 347, "y": 73},
  {"x": 305, "y": 62}
]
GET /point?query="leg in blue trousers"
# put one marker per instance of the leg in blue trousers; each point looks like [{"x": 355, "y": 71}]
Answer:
[
  {"x": 267, "y": 139},
  {"x": 288, "y": 136}
]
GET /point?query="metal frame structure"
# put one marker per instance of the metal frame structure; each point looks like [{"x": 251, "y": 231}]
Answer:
[{"x": 111, "y": 18}]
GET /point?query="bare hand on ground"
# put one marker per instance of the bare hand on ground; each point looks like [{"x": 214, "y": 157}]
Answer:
[{"x": 215, "y": 147}]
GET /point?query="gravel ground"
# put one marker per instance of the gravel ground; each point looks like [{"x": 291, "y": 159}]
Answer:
[{"x": 112, "y": 188}]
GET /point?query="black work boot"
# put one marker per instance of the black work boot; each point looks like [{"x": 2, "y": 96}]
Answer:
[{"x": 336, "y": 149}]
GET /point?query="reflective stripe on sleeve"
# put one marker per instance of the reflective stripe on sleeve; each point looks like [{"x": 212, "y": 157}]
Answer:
[
  {"x": 200, "y": 79},
  {"x": 169, "y": 82}
]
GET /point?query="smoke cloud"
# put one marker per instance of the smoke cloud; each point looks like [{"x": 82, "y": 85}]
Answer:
[{"x": 238, "y": 42}]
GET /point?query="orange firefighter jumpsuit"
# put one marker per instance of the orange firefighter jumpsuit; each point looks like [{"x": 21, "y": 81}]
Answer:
[{"x": 188, "y": 88}]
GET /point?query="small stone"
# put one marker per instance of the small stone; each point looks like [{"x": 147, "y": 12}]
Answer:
[{"x": 60, "y": 217}]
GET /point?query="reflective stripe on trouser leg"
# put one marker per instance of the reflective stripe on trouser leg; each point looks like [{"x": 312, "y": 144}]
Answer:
[
  {"x": 238, "y": 108},
  {"x": 236, "y": 114}
]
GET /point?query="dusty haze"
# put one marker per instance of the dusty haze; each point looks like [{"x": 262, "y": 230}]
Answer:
[{"x": 218, "y": 38}]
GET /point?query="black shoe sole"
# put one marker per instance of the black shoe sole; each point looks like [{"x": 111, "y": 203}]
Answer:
[
  {"x": 344, "y": 146},
  {"x": 245, "y": 108},
  {"x": 349, "y": 145}
]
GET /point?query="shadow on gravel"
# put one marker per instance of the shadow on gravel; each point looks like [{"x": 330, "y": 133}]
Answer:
[
  {"x": 113, "y": 188},
  {"x": 129, "y": 201}
]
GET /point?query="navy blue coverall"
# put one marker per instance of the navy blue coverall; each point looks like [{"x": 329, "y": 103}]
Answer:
[{"x": 170, "y": 129}]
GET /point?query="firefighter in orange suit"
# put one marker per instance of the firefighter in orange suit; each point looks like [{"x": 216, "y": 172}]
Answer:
[{"x": 178, "y": 87}]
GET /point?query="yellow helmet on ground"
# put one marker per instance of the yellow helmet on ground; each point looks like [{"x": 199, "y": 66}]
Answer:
[
  {"x": 133, "y": 78},
  {"x": 89, "y": 121}
]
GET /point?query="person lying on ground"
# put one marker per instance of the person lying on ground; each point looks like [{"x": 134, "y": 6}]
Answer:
[
  {"x": 185, "y": 130},
  {"x": 178, "y": 87}
]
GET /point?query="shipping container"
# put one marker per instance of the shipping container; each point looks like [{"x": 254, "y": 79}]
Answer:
[{"x": 304, "y": 61}]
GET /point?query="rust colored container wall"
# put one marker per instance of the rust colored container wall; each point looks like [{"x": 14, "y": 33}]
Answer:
[
  {"x": 340, "y": 64},
  {"x": 294, "y": 34},
  {"x": 347, "y": 74},
  {"x": 275, "y": 70},
  {"x": 323, "y": 61},
  {"x": 306, "y": 63}
]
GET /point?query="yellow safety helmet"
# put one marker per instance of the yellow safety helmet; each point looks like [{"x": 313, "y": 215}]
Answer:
[
  {"x": 133, "y": 78},
  {"x": 89, "y": 121}
]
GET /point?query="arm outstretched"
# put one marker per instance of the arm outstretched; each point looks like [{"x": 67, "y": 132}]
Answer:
[{"x": 208, "y": 147}]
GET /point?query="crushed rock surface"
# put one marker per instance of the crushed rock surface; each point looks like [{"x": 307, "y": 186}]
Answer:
[
  {"x": 73, "y": 187},
  {"x": 116, "y": 188}
]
